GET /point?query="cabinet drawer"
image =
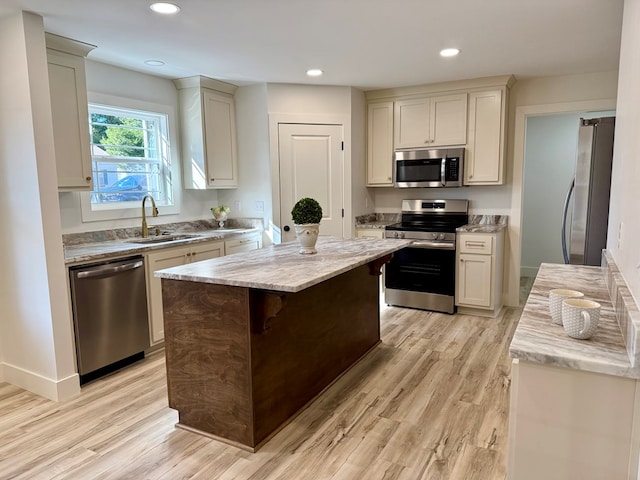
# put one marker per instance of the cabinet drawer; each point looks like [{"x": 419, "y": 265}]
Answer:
[
  {"x": 244, "y": 244},
  {"x": 369, "y": 233},
  {"x": 482, "y": 244}
]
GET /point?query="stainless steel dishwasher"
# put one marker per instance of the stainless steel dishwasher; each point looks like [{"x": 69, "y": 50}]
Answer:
[{"x": 109, "y": 302}]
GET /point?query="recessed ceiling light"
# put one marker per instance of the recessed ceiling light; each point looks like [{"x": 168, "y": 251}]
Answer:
[
  {"x": 314, "y": 72},
  {"x": 154, "y": 63},
  {"x": 163, "y": 7},
  {"x": 449, "y": 52}
]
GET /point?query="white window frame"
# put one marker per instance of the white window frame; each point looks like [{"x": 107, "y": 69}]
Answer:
[{"x": 115, "y": 212}]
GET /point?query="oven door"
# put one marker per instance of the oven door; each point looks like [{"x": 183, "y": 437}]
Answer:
[
  {"x": 422, "y": 267},
  {"x": 424, "y": 172}
]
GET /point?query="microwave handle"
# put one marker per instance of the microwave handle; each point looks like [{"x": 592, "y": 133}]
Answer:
[{"x": 443, "y": 171}]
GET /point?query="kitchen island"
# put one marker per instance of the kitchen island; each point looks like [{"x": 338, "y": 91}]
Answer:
[{"x": 252, "y": 338}]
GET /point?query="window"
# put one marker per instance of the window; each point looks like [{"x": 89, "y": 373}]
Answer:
[{"x": 130, "y": 157}]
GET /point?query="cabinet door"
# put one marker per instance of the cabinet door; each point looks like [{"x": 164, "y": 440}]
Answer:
[
  {"x": 379, "y": 144},
  {"x": 484, "y": 162},
  {"x": 448, "y": 124},
  {"x": 157, "y": 261},
  {"x": 475, "y": 280},
  {"x": 205, "y": 251},
  {"x": 244, "y": 244},
  {"x": 411, "y": 123},
  {"x": 70, "y": 112},
  {"x": 220, "y": 140},
  {"x": 370, "y": 233}
]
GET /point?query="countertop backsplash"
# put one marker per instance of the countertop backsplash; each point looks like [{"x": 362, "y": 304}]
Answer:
[
  {"x": 379, "y": 218},
  {"x": 70, "y": 239},
  {"x": 488, "y": 219}
]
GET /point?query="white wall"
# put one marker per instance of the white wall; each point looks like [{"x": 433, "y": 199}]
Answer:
[
  {"x": 110, "y": 80},
  {"x": 313, "y": 104},
  {"x": 35, "y": 329},
  {"x": 254, "y": 182},
  {"x": 625, "y": 191},
  {"x": 542, "y": 95}
]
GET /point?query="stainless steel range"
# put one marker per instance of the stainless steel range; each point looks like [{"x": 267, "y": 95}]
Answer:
[{"x": 422, "y": 275}]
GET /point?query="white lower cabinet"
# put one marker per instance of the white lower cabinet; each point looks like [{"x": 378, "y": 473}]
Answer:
[
  {"x": 369, "y": 233},
  {"x": 167, "y": 258},
  {"x": 479, "y": 273},
  {"x": 571, "y": 424},
  {"x": 243, "y": 243}
]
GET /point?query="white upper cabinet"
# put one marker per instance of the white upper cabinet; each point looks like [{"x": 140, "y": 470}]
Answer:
[
  {"x": 467, "y": 113},
  {"x": 70, "y": 112},
  {"x": 379, "y": 144},
  {"x": 484, "y": 160},
  {"x": 208, "y": 129},
  {"x": 431, "y": 121}
]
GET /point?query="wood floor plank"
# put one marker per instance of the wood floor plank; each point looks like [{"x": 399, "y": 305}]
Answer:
[{"x": 430, "y": 401}]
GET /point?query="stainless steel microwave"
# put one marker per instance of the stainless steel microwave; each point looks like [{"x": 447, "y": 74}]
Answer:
[{"x": 428, "y": 167}]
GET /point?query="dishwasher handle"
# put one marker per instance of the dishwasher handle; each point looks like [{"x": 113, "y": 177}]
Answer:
[{"x": 107, "y": 271}]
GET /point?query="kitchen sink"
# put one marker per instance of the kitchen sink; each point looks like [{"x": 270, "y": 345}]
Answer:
[{"x": 163, "y": 238}]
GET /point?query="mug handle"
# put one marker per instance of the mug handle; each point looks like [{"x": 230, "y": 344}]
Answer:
[{"x": 587, "y": 322}]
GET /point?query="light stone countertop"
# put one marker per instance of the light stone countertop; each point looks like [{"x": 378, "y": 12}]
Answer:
[
  {"x": 282, "y": 268},
  {"x": 538, "y": 340},
  {"x": 374, "y": 225},
  {"x": 98, "y": 251},
  {"x": 481, "y": 228}
]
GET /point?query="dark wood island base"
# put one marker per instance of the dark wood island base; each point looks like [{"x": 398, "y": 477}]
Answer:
[{"x": 241, "y": 362}]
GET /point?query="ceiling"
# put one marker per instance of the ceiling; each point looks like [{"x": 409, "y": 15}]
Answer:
[{"x": 367, "y": 44}]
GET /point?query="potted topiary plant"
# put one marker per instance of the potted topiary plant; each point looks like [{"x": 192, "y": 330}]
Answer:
[{"x": 306, "y": 215}]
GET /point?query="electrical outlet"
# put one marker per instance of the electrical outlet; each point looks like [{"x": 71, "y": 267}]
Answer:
[
  {"x": 259, "y": 206},
  {"x": 620, "y": 235},
  {"x": 237, "y": 206}
]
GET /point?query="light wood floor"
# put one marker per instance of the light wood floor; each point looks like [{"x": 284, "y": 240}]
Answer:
[{"x": 429, "y": 402}]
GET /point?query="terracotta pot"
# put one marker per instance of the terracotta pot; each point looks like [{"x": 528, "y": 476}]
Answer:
[{"x": 307, "y": 236}]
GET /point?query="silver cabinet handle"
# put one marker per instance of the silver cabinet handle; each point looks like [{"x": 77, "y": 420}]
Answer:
[{"x": 107, "y": 271}]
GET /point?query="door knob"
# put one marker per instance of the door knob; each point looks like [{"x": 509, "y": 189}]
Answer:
[{"x": 286, "y": 228}]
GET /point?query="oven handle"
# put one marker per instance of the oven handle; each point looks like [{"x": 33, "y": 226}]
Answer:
[{"x": 432, "y": 245}]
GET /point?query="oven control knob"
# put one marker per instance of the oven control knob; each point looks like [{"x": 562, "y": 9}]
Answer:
[
  {"x": 434, "y": 236},
  {"x": 441, "y": 236},
  {"x": 401, "y": 234}
]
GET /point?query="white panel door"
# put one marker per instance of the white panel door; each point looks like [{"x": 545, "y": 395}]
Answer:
[{"x": 311, "y": 163}]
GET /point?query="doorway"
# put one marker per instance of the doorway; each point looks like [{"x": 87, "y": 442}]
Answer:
[
  {"x": 311, "y": 165},
  {"x": 549, "y": 166},
  {"x": 512, "y": 273}
]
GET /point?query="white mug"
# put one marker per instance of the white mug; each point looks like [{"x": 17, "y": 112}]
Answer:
[
  {"x": 556, "y": 296},
  {"x": 580, "y": 317}
]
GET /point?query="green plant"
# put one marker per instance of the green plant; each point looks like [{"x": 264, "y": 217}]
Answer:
[
  {"x": 306, "y": 210},
  {"x": 221, "y": 209}
]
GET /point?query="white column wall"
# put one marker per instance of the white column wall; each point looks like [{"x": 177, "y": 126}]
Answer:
[
  {"x": 36, "y": 332},
  {"x": 624, "y": 227}
]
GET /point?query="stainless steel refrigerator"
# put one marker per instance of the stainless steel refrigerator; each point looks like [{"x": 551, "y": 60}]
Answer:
[{"x": 586, "y": 207}]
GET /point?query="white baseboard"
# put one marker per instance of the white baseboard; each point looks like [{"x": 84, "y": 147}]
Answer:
[{"x": 57, "y": 390}]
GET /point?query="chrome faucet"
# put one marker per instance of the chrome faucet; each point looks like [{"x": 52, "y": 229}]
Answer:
[{"x": 145, "y": 229}]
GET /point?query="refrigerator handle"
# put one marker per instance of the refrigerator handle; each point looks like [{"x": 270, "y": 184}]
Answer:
[{"x": 565, "y": 254}]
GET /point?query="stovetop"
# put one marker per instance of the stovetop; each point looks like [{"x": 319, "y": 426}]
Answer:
[
  {"x": 430, "y": 223},
  {"x": 430, "y": 218}
]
